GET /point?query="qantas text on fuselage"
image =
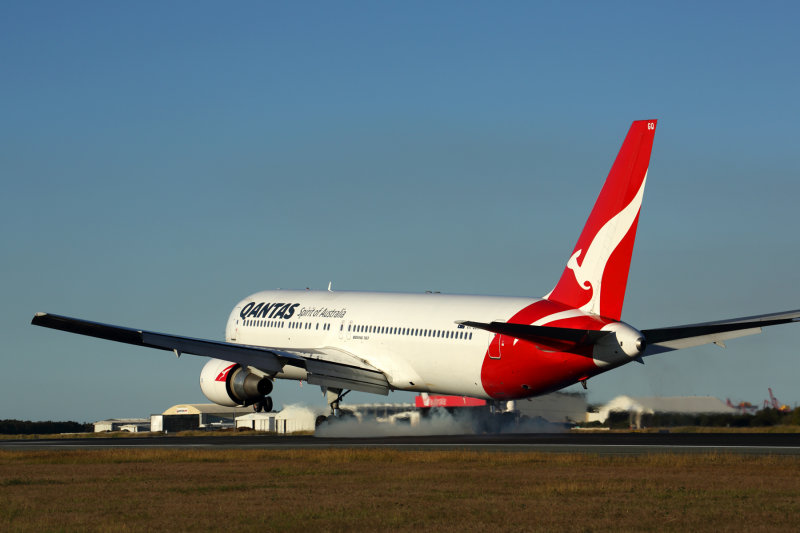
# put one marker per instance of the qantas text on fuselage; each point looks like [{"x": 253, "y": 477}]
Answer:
[{"x": 495, "y": 348}]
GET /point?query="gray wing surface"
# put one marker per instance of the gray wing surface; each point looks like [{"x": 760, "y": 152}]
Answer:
[{"x": 330, "y": 373}]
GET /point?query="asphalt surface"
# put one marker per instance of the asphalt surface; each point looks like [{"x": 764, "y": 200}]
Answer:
[{"x": 597, "y": 443}]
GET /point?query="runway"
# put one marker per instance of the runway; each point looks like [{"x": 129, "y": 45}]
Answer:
[{"x": 595, "y": 443}]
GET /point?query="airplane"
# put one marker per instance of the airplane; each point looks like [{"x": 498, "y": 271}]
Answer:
[{"x": 487, "y": 347}]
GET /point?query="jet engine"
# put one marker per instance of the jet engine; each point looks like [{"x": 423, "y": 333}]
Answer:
[{"x": 232, "y": 385}]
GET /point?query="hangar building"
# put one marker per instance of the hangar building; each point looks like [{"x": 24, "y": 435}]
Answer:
[
  {"x": 188, "y": 416},
  {"x": 132, "y": 425}
]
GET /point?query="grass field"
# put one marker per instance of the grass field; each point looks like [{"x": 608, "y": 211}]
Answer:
[{"x": 389, "y": 490}]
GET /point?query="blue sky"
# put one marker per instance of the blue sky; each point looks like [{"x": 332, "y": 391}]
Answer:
[{"x": 162, "y": 160}]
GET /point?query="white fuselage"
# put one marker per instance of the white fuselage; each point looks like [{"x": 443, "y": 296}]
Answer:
[{"x": 413, "y": 338}]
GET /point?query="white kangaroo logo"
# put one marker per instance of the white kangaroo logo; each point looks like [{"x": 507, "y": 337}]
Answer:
[{"x": 589, "y": 274}]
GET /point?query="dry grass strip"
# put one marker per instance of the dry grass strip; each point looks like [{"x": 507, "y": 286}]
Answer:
[{"x": 390, "y": 490}]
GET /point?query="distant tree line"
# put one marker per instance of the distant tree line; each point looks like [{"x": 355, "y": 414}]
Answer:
[
  {"x": 762, "y": 418},
  {"x": 26, "y": 427}
]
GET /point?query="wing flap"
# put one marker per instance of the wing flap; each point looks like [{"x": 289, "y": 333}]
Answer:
[{"x": 339, "y": 376}]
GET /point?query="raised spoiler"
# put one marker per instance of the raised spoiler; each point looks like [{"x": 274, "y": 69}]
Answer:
[{"x": 267, "y": 359}]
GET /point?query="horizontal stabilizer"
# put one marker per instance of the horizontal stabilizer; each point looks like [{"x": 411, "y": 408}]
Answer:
[
  {"x": 677, "y": 337},
  {"x": 552, "y": 337}
]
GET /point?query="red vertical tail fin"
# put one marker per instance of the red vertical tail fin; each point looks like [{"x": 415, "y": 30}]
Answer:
[{"x": 596, "y": 274}]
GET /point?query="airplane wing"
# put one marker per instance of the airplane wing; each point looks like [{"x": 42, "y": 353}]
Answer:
[
  {"x": 662, "y": 340},
  {"x": 323, "y": 367}
]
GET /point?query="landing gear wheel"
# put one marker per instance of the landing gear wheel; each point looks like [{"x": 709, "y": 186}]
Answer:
[
  {"x": 265, "y": 405},
  {"x": 321, "y": 419}
]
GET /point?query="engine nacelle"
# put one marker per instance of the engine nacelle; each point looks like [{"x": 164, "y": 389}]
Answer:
[{"x": 232, "y": 385}]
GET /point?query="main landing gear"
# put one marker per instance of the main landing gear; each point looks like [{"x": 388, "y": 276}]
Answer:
[
  {"x": 333, "y": 397},
  {"x": 263, "y": 405}
]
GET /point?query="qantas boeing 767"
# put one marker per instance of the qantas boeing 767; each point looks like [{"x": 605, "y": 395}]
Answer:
[{"x": 495, "y": 348}]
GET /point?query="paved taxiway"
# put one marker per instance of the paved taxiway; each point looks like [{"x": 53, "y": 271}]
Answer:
[{"x": 597, "y": 443}]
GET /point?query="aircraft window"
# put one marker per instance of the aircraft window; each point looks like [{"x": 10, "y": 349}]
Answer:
[{"x": 470, "y": 336}]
